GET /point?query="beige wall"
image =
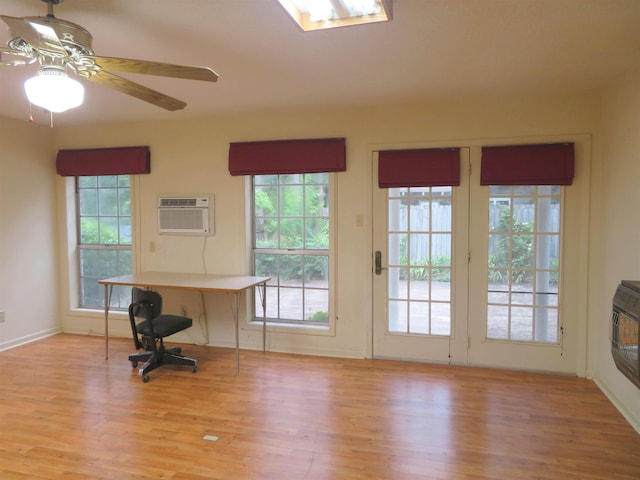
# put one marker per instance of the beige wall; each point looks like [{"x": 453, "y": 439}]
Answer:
[
  {"x": 191, "y": 157},
  {"x": 28, "y": 233},
  {"x": 616, "y": 230}
]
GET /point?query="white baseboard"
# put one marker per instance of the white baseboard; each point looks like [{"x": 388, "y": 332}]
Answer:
[
  {"x": 33, "y": 337},
  {"x": 633, "y": 420}
]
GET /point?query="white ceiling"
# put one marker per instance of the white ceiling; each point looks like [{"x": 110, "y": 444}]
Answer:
[{"x": 431, "y": 49}]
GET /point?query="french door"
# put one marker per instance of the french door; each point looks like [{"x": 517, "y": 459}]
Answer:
[
  {"x": 420, "y": 271},
  {"x": 471, "y": 274}
]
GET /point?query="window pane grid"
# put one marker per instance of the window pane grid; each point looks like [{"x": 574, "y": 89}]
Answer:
[
  {"x": 291, "y": 245},
  {"x": 419, "y": 260},
  {"x": 104, "y": 237},
  {"x": 523, "y": 269}
]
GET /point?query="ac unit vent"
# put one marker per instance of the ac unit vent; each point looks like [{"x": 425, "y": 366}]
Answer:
[
  {"x": 184, "y": 202},
  {"x": 184, "y": 215}
]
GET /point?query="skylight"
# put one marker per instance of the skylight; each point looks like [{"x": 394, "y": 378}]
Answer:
[{"x": 319, "y": 14}]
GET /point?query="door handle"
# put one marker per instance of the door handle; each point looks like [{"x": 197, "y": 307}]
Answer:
[{"x": 378, "y": 262}]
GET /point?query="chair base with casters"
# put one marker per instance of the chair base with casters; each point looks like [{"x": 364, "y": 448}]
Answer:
[{"x": 152, "y": 330}]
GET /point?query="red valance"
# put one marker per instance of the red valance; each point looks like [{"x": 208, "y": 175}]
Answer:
[
  {"x": 287, "y": 156},
  {"x": 419, "y": 168},
  {"x": 103, "y": 161},
  {"x": 543, "y": 164}
]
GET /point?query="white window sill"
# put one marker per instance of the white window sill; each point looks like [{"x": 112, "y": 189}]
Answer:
[
  {"x": 278, "y": 327},
  {"x": 96, "y": 313}
]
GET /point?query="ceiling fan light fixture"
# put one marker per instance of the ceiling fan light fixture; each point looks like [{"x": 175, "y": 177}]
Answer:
[{"x": 53, "y": 90}]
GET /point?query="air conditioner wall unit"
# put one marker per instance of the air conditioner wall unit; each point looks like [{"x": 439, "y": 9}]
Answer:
[{"x": 185, "y": 215}]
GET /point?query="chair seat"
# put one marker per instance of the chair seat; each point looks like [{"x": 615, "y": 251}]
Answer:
[{"x": 164, "y": 325}]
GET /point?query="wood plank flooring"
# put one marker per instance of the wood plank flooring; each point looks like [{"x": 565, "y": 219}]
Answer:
[{"x": 67, "y": 413}]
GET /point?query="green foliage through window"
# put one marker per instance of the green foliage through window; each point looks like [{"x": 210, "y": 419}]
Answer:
[
  {"x": 291, "y": 244},
  {"x": 513, "y": 252},
  {"x": 104, "y": 237}
]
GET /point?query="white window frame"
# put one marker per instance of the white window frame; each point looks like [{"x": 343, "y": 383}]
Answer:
[
  {"x": 421, "y": 302},
  {"x": 72, "y": 272},
  {"x": 121, "y": 301},
  {"x": 537, "y": 336},
  {"x": 255, "y": 311}
]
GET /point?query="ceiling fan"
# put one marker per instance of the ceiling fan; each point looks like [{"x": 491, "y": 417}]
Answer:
[{"x": 59, "y": 46}]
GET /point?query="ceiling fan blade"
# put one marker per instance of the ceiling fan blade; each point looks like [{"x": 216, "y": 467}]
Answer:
[
  {"x": 40, "y": 36},
  {"x": 16, "y": 61},
  {"x": 123, "y": 85},
  {"x": 126, "y": 65},
  {"x": 12, "y": 63}
]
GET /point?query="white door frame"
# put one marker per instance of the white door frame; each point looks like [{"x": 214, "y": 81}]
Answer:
[{"x": 574, "y": 301}]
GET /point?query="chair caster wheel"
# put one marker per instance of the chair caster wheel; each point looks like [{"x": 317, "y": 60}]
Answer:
[
  {"x": 194, "y": 369},
  {"x": 145, "y": 378},
  {"x": 134, "y": 364}
]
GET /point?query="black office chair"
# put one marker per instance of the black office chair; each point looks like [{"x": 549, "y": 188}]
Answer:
[{"x": 149, "y": 333}]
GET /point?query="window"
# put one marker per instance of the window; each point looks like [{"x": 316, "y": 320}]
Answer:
[
  {"x": 524, "y": 263},
  {"x": 291, "y": 245},
  {"x": 420, "y": 239},
  {"x": 104, "y": 237},
  {"x": 321, "y": 14}
]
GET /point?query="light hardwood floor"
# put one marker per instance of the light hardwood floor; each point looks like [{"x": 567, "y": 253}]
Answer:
[{"x": 67, "y": 413}]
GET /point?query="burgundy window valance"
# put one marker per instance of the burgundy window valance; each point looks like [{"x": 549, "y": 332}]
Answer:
[
  {"x": 429, "y": 167},
  {"x": 103, "y": 161},
  {"x": 287, "y": 156},
  {"x": 543, "y": 164}
]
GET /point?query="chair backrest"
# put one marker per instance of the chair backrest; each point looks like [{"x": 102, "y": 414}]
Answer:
[{"x": 146, "y": 304}]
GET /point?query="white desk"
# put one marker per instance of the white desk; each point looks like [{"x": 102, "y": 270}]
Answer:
[{"x": 230, "y": 284}]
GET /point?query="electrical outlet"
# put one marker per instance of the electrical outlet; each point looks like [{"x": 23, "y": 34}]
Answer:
[
  {"x": 1, "y": 317},
  {"x": 183, "y": 310}
]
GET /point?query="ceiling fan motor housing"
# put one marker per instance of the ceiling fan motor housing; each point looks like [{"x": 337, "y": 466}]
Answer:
[{"x": 74, "y": 38}]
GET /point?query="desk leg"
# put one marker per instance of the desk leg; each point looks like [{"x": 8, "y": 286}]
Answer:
[
  {"x": 108, "y": 290},
  {"x": 264, "y": 317},
  {"x": 236, "y": 313},
  {"x": 206, "y": 318}
]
